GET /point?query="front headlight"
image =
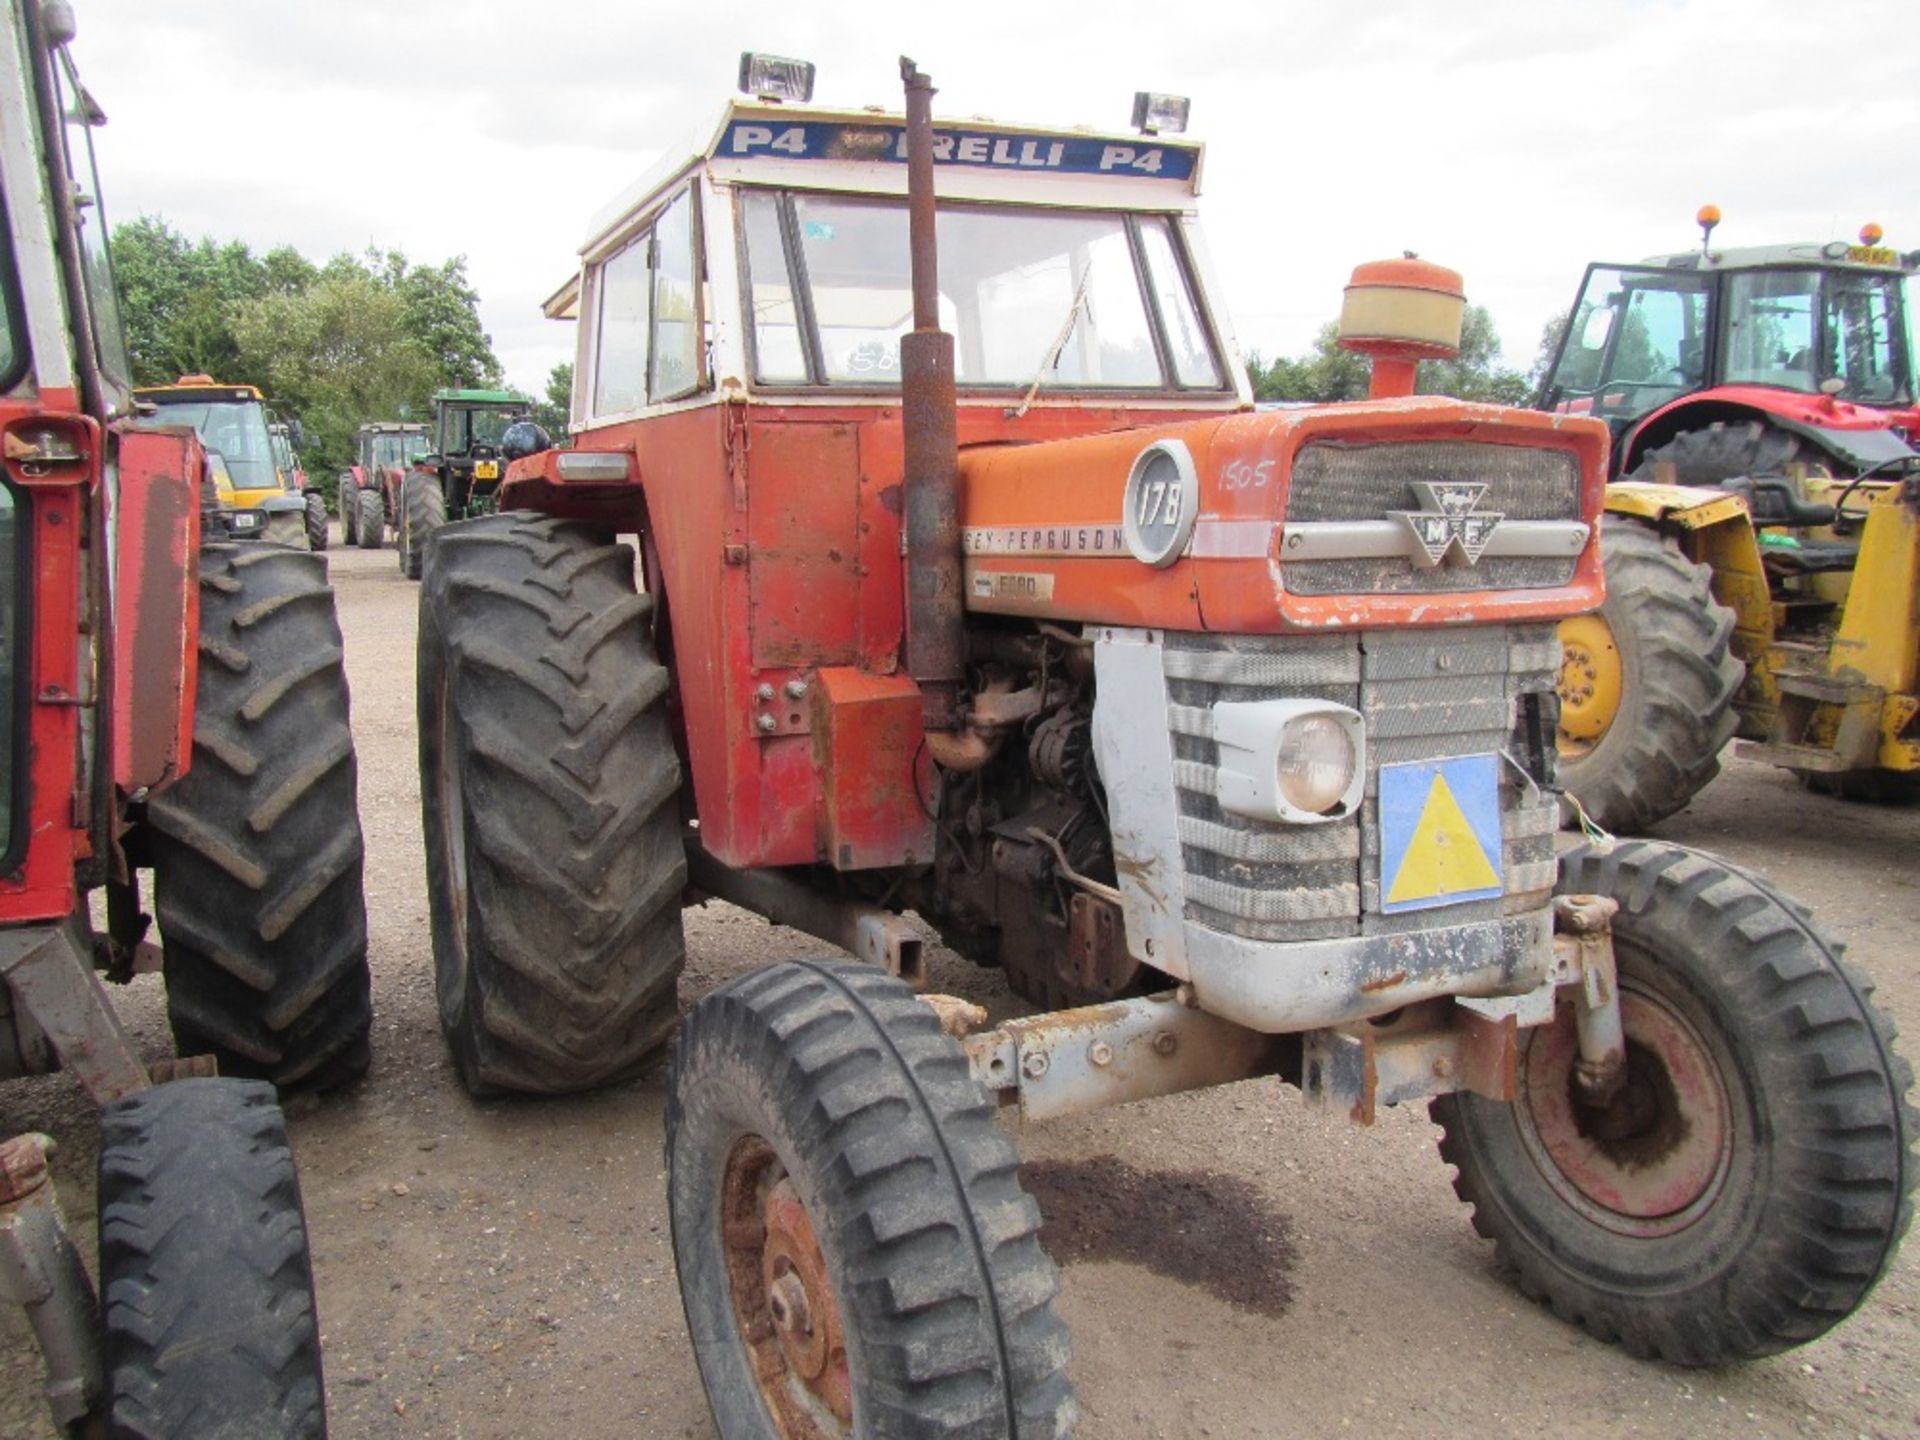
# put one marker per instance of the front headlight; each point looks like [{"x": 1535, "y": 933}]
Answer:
[{"x": 1301, "y": 762}]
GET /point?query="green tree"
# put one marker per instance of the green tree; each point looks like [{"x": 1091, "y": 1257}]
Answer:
[
  {"x": 177, "y": 296},
  {"x": 552, "y": 411},
  {"x": 1328, "y": 374}
]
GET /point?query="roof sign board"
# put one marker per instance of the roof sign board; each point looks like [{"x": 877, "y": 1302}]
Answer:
[{"x": 1062, "y": 154}]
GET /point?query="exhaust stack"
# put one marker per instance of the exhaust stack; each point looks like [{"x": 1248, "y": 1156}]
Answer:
[{"x": 936, "y": 649}]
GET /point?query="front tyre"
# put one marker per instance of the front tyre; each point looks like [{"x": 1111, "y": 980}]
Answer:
[
  {"x": 257, "y": 854},
  {"x": 856, "y": 1255},
  {"x": 1646, "y": 683},
  {"x": 1752, "y": 1180},
  {"x": 423, "y": 510},
  {"x": 316, "y": 521},
  {"x": 373, "y": 520},
  {"x": 549, "y": 792},
  {"x": 207, "y": 1310}
]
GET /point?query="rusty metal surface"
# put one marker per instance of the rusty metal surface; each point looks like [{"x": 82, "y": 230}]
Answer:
[
  {"x": 1072, "y": 1061},
  {"x": 1436, "y": 1048},
  {"x": 936, "y": 641},
  {"x": 42, "y": 1272},
  {"x": 50, "y": 974},
  {"x": 803, "y": 569},
  {"x": 864, "y": 931},
  {"x": 156, "y": 606},
  {"x": 1588, "y": 921},
  {"x": 866, "y": 736}
]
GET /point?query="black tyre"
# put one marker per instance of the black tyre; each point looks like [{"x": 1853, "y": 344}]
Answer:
[
  {"x": 856, "y": 1254},
  {"x": 549, "y": 789},
  {"x": 371, "y": 529},
  {"x": 423, "y": 510},
  {"x": 1646, "y": 684},
  {"x": 316, "y": 520},
  {"x": 349, "y": 511},
  {"x": 207, "y": 1307},
  {"x": 1869, "y": 787},
  {"x": 288, "y": 528},
  {"x": 257, "y": 852},
  {"x": 1753, "y": 1179},
  {"x": 1721, "y": 452}
]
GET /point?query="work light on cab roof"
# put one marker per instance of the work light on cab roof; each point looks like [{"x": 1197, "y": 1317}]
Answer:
[{"x": 776, "y": 78}]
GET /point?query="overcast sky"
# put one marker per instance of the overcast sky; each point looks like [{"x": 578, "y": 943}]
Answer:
[{"x": 1513, "y": 140}]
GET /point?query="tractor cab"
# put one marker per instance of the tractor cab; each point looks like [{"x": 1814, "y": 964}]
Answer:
[
  {"x": 1815, "y": 337},
  {"x": 467, "y": 429},
  {"x": 256, "y": 494}
]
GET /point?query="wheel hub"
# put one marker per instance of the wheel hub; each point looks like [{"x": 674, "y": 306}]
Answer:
[
  {"x": 783, "y": 1301},
  {"x": 1589, "y": 684},
  {"x": 1652, "y": 1159}
]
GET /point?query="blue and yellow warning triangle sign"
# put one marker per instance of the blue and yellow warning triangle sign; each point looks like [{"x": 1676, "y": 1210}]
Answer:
[{"x": 1439, "y": 832}]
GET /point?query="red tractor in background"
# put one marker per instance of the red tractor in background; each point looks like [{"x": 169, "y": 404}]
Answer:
[
  {"x": 975, "y": 586},
  {"x": 1761, "y": 540},
  {"x": 174, "y": 704},
  {"x": 371, "y": 488}
]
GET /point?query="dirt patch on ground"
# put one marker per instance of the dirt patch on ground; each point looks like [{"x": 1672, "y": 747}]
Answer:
[{"x": 1195, "y": 1226}]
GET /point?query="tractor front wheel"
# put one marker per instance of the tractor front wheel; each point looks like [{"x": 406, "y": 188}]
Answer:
[
  {"x": 1751, "y": 1180},
  {"x": 856, "y": 1255},
  {"x": 373, "y": 519},
  {"x": 316, "y": 521},
  {"x": 206, "y": 1288},
  {"x": 423, "y": 510},
  {"x": 257, "y": 853},
  {"x": 349, "y": 513},
  {"x": 550, "y": 792},
  {"x": 1646, "y": 684}
]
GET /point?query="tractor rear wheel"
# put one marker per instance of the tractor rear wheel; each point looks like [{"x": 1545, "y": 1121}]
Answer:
[
  {"x": 316, "y": 520},
  {"x": 1752, "y": 1179},
  {"x": 423, "y": 510},
  {"x": 256, "y": 852},
  {"x": 1646, "y": 684},
  {"x": 1719, "y": 453},
  {"x": 855, "y": 1252},
  {"x": 349, "y": 513},
  {"x": 206, "y": 1287},
  {"x": 373, "y": 520},
  {"x": 549, "y": 791}
]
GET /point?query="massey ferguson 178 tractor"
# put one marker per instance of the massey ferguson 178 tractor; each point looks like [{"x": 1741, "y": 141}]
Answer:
[
  {"x": 370, "y": 489},
  {"x": 1763, "y": 535},
  {"x": 177, "y": 707},
  {"x": 975, "y": 586},
  {"x": 462, "y": 475}
]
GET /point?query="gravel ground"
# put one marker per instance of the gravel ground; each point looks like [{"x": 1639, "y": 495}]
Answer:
[{"x": 502, "y": 1269}]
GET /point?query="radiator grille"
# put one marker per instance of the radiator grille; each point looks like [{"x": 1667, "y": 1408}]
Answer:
[
  {"x": 1425, "y": 696},
  {"x": 1333, "y": 481}
]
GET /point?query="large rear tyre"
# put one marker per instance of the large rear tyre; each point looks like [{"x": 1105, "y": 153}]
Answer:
[
  {"x": 316, "y": 521},
  {"x": 549, "y": 791},
  {"x": 257, "y": 852},
  {"x": 1720, "y": 452},
  {"x": 1868, "y": 787},
  {"x": 1646, "y": 684},
  {"x": 1753, "y": 1178},
  {"x": 373, "y": 520},
  {"x": 208, "y": 1318},
  {"x": 349, "y": 512},
  {"x": 423, "y": 510},
  {"x": 856, "y": 1255}
]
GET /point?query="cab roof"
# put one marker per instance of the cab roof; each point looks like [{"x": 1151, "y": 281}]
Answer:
[
  {"x": 196, "y": 392},
  {"x": 1831, "y": 254},
  {"x": 479, "y": 397},
  {"x": 384, "y": 427},
  {"x": 865, "y": 149}
]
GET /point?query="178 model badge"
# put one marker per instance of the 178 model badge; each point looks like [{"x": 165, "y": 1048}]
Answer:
[{"x": 1447, "y": 521}]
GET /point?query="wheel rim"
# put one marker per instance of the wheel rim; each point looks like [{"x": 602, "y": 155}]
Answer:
[
  {"x": 1590, "y": 683},
  {"x": 1656, "y": 1158},
  {"x": 783, "y": 1301}
]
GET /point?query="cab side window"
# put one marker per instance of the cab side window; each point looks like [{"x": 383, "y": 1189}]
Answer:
[{"x": 647, "y": 323}]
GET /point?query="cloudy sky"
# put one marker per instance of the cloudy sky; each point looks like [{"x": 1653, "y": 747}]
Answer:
[{"x": 1511, "y": 139}]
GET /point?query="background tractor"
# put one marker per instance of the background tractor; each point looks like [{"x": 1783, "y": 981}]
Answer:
[
  {"x": 462, "y": 476},
  {"x": 255, "y": 498},
  {"x": 975, "y": 586},
  {"x": 294, "y": 478},
  {"x": 170, "y": 702},
  {"x": 370, "y": 489},
  {"x": 1763, "y": 559}
]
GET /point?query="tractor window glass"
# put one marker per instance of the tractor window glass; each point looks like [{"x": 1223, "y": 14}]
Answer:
[
  {"x": 1637, "y": 339},
  {"x": 676, "y": 316},
  {"x": 83, "y": 115},
  {"x": 236, "y": 430},
  {"x": 13, "y": 339},
  {"x": 779, "y": 358},
  {"x": 625, "y": 285},
  {"x": 1029, "y": 295},
  {"x": 1864, "y": 338},
  {"x": 1187, "y": 347},
  {"x": 12, "y": 547},
  {"x": 1771, "y": 321}
]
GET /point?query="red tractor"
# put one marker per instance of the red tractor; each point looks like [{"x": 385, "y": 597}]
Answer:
[
  {"x": 371, "y": 488},
  {"x": 975, "y": 586},
  {"x": 1761, "y": 536},
  {"x": 179, "y": 707}
]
